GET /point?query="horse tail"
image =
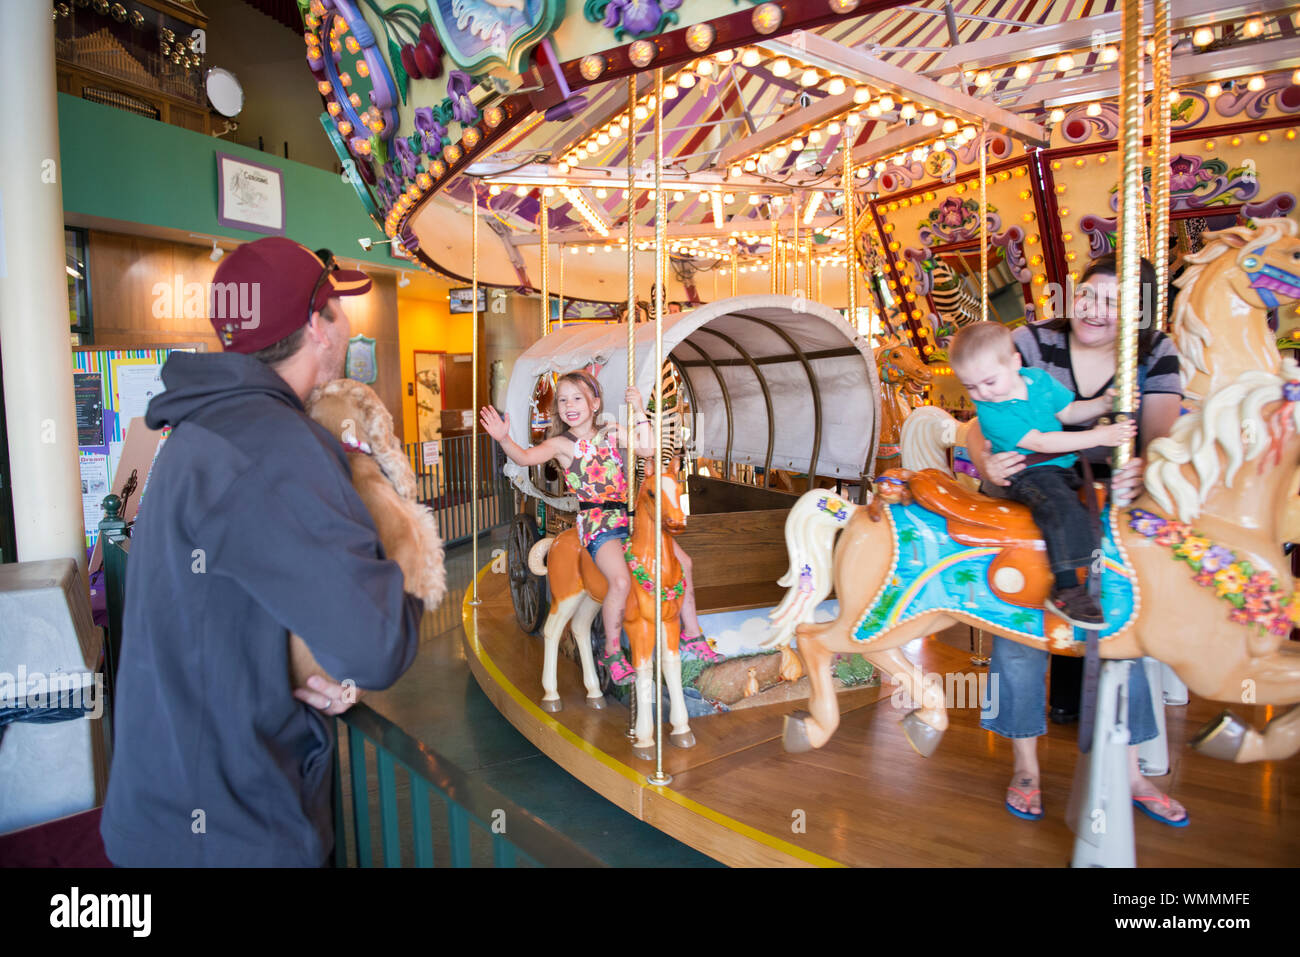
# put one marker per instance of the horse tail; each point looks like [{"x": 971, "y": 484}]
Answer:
[
  {"x": 537, "y": 555},
  {"x": 928, "y": 433},
  {"x": 810, "y": 531}
]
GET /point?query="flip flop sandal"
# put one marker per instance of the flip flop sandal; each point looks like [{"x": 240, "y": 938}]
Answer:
[
  {"x": 620, "y": 669},
  {"x": 700, "y": 647},
  {"x": 1028, "y": 796},
  {"x": 1164, "y": 802}
]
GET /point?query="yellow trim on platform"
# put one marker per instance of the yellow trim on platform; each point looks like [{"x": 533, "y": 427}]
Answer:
[{"x": 702, "y": 810}]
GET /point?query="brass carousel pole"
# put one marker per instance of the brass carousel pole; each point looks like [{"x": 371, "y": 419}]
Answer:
[
  {"x": 808, "y": 266},
  {"x": 559, "y": 293},
  {"x": 1131, "y": 211},
  {"x": 850, "y": 234},
  {"x": 774, "y": 242},
  {"x": 794, "y": 245},
  {"x": 631, "y": 323},
  {"x": 543, "y": 222},
  {"x": 1160, "y": 69},
  {"x": 473, "y": 448},
  {"x": 735, "y": 271},
  {"x": 631, "y": 276},
  {"x": 661, "y": 212},
  {"x": 984, "y": 224},
  {"x": 979, "y": 659}
]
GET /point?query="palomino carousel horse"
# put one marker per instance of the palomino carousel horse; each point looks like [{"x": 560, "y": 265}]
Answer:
[
  {"x": 1198, "y": 548},
  {"x": 578, "y": 588},
  {"x": 1224, "y": 297},
  {"x": 903, "y": 381}
]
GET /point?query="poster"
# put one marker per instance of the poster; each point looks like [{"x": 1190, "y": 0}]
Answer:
[
  {"x": 250, "y": 195},
  {"x": 136, "y": 385},
  {"x": 428, "y": 396},
  {"x": 94, "y": 486},
  {"x": 432, "y": 453},
  {"x": 88, "y": 391}
]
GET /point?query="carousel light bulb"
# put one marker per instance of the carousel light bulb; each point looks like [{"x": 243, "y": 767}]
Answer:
[
  {"x": 881, "y": 166},
  {"x": 815, "y": 137},
  {"x": 686, "y": 81},
  {"x": 591, "y": 250},
  {"x": 781, "y": 67},
  {"x": 725, "y": 56},
  {"x": 852, "y": 119},
  {"x": 728, "y": 197},
  {"x": 940, "y": 144},
  {"x": 1094, "y": 109},
  {"x": 755, "y": 199},
  {"x": 833, "y": 129},
  {"x": 1057, "y": 115},
  {"x": 874, "y": 111},
  {"x": 601, "y": 192},
  {"x": 1023, "y": 71},
  {"x": 836, "y": 87},
  {"x": 949, "y": 126},
  {"x": 779, "y": 153},
  {"x": 704, "y": 69},
  {"x": 983, "y": 78},
  {"x": 930, "y": 118},
  {"x": 751, "y": 165},
  {"x": 670, "y": 91},
  {"x": 1064, "y": 62},
  {"x": 1212, "y": 90},
  {"x": 1253, "y": 27},
  {"x": 968, "y": 132},
  {"x": 907, "y": 111},
  {"x": 521, "y": 191},
  {"x": 640, "y": 112},
  {"x": 810, "y": 78},
  {"x": 750, "y": 58},
  {"x": 1295, "y": 78},
  {"x": 1203, "y": 36},
  {"x": 678, "y": 196},
  {"x": 886, "y": 103},
  {"x": 1255, "y": 84},
  {"x": 1109, "y": 54},
  {"x": 494, "y": 190},
  {"x": 323, "y": 87},
  {"x": 862, "y": 95},
  {"x": 548, "y": 192},
  {"x": 562, "y": 169}
]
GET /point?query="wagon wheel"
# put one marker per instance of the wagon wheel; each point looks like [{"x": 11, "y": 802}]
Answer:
[{"x": 528, "y": 592}]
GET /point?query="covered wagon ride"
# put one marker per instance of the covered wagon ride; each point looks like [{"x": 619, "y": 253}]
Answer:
[{"x": 765, "y": 396}]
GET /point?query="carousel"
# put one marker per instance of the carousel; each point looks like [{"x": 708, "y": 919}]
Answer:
[{"x": 792, "y": 206}]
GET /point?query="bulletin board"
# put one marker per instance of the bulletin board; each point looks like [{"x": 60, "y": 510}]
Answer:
[{"x": 111, "y": 388}]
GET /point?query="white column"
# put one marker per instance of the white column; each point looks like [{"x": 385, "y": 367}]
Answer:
[{"x": 35, "y": 340}]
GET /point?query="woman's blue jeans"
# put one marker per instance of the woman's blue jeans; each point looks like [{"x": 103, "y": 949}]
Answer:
[{"x": 1017, "y": 695}]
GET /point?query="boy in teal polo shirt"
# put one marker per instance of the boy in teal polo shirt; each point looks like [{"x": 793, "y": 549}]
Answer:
[{"x": 1022, "y": 410}]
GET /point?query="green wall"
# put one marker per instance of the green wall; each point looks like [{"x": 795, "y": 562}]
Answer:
[{"x": 116, "y": 165}]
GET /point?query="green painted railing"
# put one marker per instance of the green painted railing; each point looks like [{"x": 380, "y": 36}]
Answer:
[
  {"x": 393, "y": 804},
  {"x": 507, "y": 834}
]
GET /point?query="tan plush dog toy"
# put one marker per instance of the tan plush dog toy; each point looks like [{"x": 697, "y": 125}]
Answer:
[{"x": 383, "y": 478}]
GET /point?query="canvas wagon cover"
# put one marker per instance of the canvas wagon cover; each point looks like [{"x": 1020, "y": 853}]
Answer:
[{"x": 845, "y": 381}]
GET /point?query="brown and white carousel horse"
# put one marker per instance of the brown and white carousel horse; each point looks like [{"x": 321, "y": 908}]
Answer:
[
  {"x": 578, "y": 588},
  {"x": 903, "y": 381}
]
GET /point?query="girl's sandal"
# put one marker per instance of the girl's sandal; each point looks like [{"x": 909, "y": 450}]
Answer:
[
  {"x": 620, "y": 669},
  {"x": 700, "y": 647}
]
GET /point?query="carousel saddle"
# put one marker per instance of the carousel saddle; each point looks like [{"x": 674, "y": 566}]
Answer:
[{"x": 1019, "y": 573}]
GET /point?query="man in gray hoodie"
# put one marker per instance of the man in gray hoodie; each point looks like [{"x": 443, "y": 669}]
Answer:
[{"x": 250, "y": 529}]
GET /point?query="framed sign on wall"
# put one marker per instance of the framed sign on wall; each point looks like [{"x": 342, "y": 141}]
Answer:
[{"x": 249, "y": 195}]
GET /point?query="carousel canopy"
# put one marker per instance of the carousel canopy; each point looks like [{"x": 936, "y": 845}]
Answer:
[{"x": 738, "y": 355}]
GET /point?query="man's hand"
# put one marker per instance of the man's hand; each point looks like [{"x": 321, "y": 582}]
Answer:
[
  {"x": 1126, "y": 484},
  {"x": 328, "y": 696}
]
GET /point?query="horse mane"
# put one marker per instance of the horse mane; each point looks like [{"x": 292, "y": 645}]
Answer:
[
  {"x": 1191, "y": 334},
  {"x": 1230, "y": 423}
]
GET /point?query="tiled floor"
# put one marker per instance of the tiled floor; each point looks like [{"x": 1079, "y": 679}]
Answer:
[{"x": 439, "y": 703}]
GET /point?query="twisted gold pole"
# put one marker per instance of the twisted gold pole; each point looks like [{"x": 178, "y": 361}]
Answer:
[
  {"x": 631, "y": 283},
  {"x": 559, "y": 293},
  {"x": 1160, "y": 165},
  {"x": 735, "y": 271},
  {"x": 543, "y": 222},
  {"x": 984, "y": 224},
  {"x": 661, "y": 213},
  {"x": 774, "y": 243},
  {"x": 1131, "y": 211},
  {"x": 473, "y": 448},
  {"x": 850, "y": 233},
  {"x": 794, "y": 244}
]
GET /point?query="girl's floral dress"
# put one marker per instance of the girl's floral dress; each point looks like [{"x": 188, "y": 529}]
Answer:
[{"x": 596, "y": 475}]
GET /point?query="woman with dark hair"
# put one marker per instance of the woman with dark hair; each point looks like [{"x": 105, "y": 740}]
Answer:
[{"x": 1079, "y": 351}]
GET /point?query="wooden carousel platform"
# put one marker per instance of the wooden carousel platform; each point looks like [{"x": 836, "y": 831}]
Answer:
[{"x": 867, "y": 799}]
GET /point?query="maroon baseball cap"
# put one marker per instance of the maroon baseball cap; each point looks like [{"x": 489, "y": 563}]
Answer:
[{"x": 261, "y": 290}]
